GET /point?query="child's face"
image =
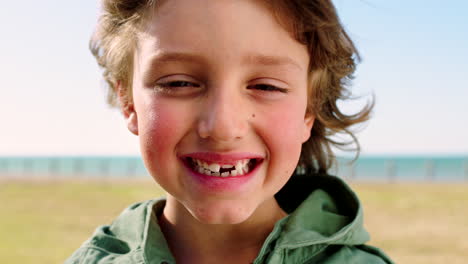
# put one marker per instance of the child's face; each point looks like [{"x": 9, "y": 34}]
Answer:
[{"x": 221, "y": 83}]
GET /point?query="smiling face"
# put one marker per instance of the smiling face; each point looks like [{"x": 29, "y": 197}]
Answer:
[{"x": 220, "y": 95}]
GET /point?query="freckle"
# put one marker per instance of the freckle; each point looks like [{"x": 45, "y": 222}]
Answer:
[{"x": 253, "y": 115}]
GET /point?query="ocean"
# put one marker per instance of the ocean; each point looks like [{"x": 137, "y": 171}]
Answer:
[
  {"x": 366, "y": 168},
  {"x": 404, "y": 168}
]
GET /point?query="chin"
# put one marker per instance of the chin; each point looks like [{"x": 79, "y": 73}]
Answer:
[{"x": 227, "y": 215}]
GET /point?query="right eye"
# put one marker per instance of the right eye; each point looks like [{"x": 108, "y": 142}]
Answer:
[{"x": 177, "y": 84}]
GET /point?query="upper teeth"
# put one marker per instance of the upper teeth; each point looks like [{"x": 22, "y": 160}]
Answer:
[{"x": 213, "y": 169}]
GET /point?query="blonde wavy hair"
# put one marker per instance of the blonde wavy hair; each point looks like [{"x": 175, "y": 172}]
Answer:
[{"x": 314, "y": 23}]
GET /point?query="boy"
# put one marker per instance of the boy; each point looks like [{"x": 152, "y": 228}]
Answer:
[{"x": 227, "y": 96}]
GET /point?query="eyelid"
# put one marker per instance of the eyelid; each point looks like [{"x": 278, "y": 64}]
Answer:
[
  {"x": 169, "y": 81},
  {"x": 271, "y": 81},
  {"x": 176, "y": 78},
  {"x": 280, "y": 85},
  {"x": 177, "y": 85}
]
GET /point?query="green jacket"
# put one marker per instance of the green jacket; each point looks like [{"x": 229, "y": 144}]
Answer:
[{"x": 324, "y": 225}]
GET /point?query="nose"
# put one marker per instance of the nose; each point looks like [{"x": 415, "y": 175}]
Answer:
[{"x": 223, "y": 117}]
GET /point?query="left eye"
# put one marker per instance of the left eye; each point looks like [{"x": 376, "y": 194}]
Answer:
[{"x": 267, "y": 88}]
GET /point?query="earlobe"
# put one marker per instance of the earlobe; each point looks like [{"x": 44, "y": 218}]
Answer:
[{"x": 308, "y": 123}]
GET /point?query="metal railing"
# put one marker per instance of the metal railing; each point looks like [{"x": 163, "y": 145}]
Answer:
[
  {"x": 365, "y": 168},
  {"x": 72, "y": 167}
]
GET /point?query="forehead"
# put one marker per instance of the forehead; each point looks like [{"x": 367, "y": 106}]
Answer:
[{"x": 223, "y": 29}]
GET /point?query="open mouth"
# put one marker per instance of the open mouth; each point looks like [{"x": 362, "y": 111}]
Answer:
[{"x": 240, "y": 168}]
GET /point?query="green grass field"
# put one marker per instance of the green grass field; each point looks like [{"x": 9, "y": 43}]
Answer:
[{"x": 45, "y": 221}]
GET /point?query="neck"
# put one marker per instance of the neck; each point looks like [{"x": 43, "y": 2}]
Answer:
[{"x": 194, "y": 242}]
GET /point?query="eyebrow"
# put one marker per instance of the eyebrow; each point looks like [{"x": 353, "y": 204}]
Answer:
[
  {"x": 168, "y": 57},
  {"x": 250, "y": 59},
  {"x": 268, "y": 60},
  {"x": 165, "y": 57}
]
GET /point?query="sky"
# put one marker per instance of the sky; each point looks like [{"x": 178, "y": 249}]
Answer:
[{"x": 414, "y": 60}]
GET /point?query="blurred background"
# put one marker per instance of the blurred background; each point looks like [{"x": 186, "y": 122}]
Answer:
[
  {"x": 62, "y": 147},
  {"x": 414, "y": 60}
]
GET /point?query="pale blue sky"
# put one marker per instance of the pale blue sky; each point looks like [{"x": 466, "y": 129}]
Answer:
[{"x": 415, "y": 60}]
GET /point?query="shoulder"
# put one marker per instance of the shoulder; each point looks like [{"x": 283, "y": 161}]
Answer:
[
  {"x": 324, "y": 225},
  {"x": 356, "y": 254},
  {"x": 96, "y": 255},
  {"x": 338, "y": 254},
  {"x": 122, "y": 241},
  {"x": 329, "y": 254}
]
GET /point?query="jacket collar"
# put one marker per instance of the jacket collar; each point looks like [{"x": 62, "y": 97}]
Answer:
[{"x": 322, "y": 210}]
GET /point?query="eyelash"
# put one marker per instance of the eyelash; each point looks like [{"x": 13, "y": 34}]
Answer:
[
  {"x": 181, "y": 84},
  {"x": 268, "y": 88},
  {"x": 176, "y": 84}
]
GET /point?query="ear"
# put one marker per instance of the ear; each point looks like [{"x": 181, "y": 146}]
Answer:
[
  {"x": 132, "y": 122},
  {"x": 128, "y": 109},
  {"x": 308, "y": 123}
]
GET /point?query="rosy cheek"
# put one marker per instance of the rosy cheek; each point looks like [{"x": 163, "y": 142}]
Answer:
[
  {"x": 286, "y": 123},
  {"x": 280, "y": 134},
  {"x": 159, "y": 128}
]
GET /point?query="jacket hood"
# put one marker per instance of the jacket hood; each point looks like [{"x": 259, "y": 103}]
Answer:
[
  {"x": 323, "y": 216},
  {"x": 322, "y": 209}
]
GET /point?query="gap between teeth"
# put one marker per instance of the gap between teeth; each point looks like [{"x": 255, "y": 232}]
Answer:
[{"x": 213, "y": 169}]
